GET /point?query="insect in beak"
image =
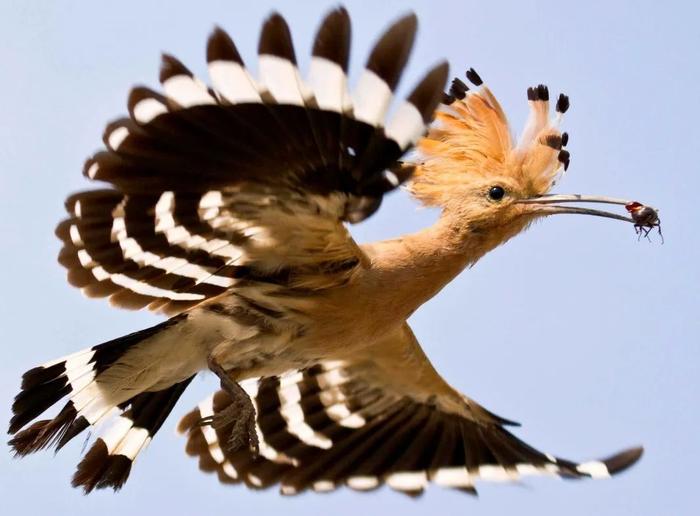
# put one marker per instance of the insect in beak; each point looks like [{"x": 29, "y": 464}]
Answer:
[{"x": 644, "y": 217}]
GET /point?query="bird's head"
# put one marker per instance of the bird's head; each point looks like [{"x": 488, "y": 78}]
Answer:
[{"x": 493, "y": 186}]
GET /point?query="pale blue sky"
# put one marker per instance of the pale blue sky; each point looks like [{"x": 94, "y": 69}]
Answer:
[{"x": 575, "y": 329}]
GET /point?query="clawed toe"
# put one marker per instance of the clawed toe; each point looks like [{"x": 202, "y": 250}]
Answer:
[
  {"x": 242, "y": 428},
  {"x": 239, "y": 415}
]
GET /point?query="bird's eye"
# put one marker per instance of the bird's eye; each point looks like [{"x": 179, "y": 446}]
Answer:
[{"x": 496, "y": 193}]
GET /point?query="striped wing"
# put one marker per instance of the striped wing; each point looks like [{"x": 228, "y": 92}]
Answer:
[
  {"x": 247, "y": 179},
  {"x": 362, "y": 426}
]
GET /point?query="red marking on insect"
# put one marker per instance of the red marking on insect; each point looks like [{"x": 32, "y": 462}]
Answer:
[{"x": 645, "y": 219}]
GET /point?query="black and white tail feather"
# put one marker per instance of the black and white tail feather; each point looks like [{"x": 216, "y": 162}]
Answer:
[
  {"x": 206, "y": 183},
  {"x": 100, "y": 387},
  {"x": 329, "y": 426}
]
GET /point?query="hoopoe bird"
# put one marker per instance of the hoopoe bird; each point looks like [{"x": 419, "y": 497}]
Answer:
[{"x": 225, "y": 209}]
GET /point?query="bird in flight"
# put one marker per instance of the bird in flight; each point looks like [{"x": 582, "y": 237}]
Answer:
[{"x": 225, "y": 208}]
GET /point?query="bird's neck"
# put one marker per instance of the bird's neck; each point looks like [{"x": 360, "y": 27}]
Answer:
[{"x": 417, "y": 266}]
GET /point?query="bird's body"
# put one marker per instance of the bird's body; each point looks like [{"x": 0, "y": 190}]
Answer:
[{"x": 227, "y": 213}]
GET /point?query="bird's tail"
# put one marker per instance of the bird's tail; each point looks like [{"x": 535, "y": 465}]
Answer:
[{"x": 109, "y": 383}]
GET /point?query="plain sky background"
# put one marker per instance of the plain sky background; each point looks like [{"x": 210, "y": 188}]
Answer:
[{"x": 577, "y": 330}]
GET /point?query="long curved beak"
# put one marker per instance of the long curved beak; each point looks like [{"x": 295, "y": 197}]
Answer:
[{"x": 556, "y": 203}]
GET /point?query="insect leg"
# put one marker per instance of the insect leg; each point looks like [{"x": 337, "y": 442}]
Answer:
[{"x": 658, "y": 227}]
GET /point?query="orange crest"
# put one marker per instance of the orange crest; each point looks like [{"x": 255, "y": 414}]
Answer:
[{"x": 471, "y": 138}]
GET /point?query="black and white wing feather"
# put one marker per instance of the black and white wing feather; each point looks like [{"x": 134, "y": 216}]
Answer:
[
  {"x": 365, "y": 424},
  {"x": 251, "y": 178}
]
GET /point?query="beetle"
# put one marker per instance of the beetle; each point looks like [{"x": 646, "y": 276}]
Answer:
[{"x": 645, "y": 219}]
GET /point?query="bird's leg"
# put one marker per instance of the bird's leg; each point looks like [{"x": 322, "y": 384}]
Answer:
[{"x": 240, "y": 413}]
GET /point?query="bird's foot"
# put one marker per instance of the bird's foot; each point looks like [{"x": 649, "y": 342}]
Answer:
[{"x": 239, "y": 415}]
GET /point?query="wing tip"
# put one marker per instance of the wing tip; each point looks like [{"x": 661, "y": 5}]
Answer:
[
  {"x": 170, "y": 66},
  {"x": 332, "y": 39},
  {"x": 390, "y": 54},
  {"x": 623, "y": 460},
  {"x": 220, "y": 47},
  {"x": 608, "y": 467},
  {"x": 427, "y": 94},
  {"x": 276, "y": 38}
]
